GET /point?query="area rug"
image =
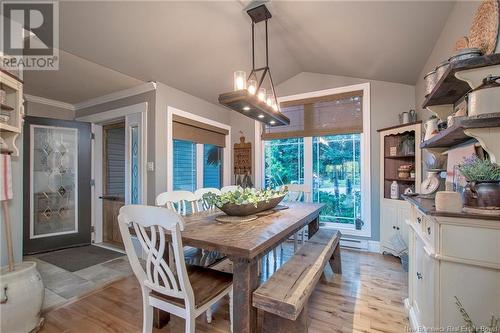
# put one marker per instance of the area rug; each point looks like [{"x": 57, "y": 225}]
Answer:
[{"x": 77, "y": 258}]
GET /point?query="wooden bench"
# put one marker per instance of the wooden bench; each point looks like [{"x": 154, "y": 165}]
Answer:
[{"x": 283, "y": 298}]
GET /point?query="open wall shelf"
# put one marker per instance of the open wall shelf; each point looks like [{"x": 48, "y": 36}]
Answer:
[
  {"x": 449, "y": 89},
  {"x": 457, "y": 133},
  {"x": 399, "y": 147}
]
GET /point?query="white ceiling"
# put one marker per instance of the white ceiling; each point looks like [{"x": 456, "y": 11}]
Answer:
[{"x": 196, "y": 46}]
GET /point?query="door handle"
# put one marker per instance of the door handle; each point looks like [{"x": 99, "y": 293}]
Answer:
[
  {"x": 5, "y": 298},
  {"x": 109, "y": 197},
  {"x": 419, "y": 276}
]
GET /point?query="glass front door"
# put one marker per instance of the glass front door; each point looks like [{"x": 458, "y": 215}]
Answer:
[{"x": 57, "y": 184}]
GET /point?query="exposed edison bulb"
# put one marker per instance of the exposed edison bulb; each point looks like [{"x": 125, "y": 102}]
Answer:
[
  {"x": 252, "y": 87},
  {"x": 240, "y": 80},
  {"x": 262, "y": 94},
  {"x": 270, "y": 99}
]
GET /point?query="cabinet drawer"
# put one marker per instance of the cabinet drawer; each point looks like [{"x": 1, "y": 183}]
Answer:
[{"x": 473, "y": 244}]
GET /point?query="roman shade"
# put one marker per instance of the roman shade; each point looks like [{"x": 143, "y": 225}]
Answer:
[
  {"x": 320, "y": 116},
  {"x": 195, "y": 131}
]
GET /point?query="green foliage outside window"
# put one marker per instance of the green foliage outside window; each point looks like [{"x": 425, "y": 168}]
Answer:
[{"x": 336, "y": 172}]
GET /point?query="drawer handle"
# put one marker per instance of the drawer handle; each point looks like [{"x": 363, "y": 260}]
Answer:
[
  {"x": 419, "y": 276},
  {"x": 429, "y": 230},
  {"x": 5, "y": 298},
  {"x": 419, "y": 220}
]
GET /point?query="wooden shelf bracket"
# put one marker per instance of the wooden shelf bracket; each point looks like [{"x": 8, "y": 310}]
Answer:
[
  {"x": 488, "y": 138},
  {"x": 441, "y": 111},
  {"x": 474, "y": 77}
]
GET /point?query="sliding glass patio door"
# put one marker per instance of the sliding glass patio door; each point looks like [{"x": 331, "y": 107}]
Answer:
[{"x": 326, "y": 146}]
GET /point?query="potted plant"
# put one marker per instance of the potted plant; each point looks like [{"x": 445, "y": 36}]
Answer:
[{"x": 483, "y": 183}]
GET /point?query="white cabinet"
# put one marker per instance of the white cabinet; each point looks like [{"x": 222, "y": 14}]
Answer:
[
  {"x": 393, "y": 217},
  {"x": 448, "y": 257},
  {"x": 399, "y": 149}
]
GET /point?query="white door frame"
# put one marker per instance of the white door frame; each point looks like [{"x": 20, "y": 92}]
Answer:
[
  {"x": 226, "y": 161},
  {"x": 365, "y": 153},
  {"x": 97, "y": 154}
]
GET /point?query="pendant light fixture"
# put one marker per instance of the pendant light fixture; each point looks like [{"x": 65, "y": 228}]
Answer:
[{"x": 250, "y": 97}]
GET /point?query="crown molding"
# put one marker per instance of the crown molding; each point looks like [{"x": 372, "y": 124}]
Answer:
[
  {"x": 50, "y": 102},
  {"x": 148, "y": 86}
]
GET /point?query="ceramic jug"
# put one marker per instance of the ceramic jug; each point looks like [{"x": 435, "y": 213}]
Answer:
[{"x": 431, "y": 128}]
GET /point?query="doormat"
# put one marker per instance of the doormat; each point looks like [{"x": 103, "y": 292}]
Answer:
[{"x": 77, "y": 258}]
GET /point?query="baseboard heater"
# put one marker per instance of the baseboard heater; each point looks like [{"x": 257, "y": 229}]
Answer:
[{"x": 352, "y": 243}]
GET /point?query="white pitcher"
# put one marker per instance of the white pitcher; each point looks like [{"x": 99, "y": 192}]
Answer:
[{"x": 431, "y": 128}]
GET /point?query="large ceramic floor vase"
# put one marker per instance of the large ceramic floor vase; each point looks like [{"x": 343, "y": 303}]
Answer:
[{"x": 21, "y": 297}]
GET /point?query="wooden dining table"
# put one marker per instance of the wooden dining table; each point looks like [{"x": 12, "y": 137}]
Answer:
[{"x": 245, "y": 243}]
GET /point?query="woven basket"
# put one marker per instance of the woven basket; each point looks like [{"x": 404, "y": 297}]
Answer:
[
  {"x": 462, "y": 43},
  {"x": 484, "y": 30}
]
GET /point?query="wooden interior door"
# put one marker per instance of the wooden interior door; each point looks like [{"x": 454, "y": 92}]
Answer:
[{"x": 113, "y": 181}]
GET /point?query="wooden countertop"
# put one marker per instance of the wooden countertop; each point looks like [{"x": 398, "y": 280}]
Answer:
[{"x": 427, "y": 207}]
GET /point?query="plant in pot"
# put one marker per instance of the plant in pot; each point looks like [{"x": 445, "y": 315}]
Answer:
[
  {"x": 244, "y": 202},
  {"x": 483, "y": 183}
]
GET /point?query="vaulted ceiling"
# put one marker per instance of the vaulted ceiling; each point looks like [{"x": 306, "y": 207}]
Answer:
[{"x": 196, "y": 46}]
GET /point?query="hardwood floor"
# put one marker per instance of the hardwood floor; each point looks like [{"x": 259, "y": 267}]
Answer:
[{"x": 367, "y": 297}]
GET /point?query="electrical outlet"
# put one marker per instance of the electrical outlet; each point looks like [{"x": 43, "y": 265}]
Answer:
[{"x": 151, "y": 166}]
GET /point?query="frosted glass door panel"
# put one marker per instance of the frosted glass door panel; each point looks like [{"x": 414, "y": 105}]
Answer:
[{"x": 54, "y": 175}]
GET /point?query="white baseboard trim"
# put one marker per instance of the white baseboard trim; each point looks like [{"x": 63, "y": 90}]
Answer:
[
  {"x": 112, "y": 248},
  {"x": 360, "y": 244},
  {"x": 374, "y": 246},
  {"x": 412, "y": 318}
]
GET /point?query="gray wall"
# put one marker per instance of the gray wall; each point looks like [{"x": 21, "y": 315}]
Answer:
[
  {"x": 387, "y": 101},
  {"x": 47, "y": 111},
  {"x": 167, "y": 96}
]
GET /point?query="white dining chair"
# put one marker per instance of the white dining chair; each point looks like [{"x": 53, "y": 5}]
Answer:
[
  {"x": 202, "y": 204},
  {"x": 184, "y": 291},
  {"x": 298, "y": 193},
  {"x": 230, "y": 188},
  {"x": 178, "y": 201}
]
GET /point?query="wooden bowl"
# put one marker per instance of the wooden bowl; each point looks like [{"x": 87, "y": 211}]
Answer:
[{"x": 250, "y": 209}]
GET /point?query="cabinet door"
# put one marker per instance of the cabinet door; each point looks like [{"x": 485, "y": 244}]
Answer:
[
  {"x": 427, "y": 306},
  {"x": 388, "y": 224},
  {"x": 403, "y": 216},
  {"x": 418, "y": 285}
]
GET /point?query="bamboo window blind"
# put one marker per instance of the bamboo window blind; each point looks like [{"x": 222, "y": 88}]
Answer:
[{"x": 320, "y": 116}]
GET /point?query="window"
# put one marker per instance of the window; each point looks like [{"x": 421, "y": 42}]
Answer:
[
  {"x": 134, "y": 165},
  {"x": 325, "y": 147},
  {"x": 284, "y": 162},
  {"x": 186, "y": 157},
  {"x": 184, "y": 165},
  {"x": 212, "y": 166},
  {"x": 337, "y": 177}
]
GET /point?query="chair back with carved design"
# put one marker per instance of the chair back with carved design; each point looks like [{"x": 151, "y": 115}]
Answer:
[
  {"x": 149, "y": 224},
  {"x": 178, "y": 201}
]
